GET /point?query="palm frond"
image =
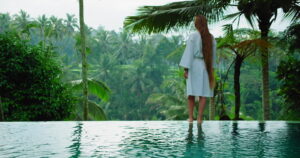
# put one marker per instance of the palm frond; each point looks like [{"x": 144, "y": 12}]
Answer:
[
  {"x": 293, "y": 12},
  {"x": 248, "y": 10},
  {"x": 162, "y": 99},
  {"x": 97, "y": 88},
  {"x": 258, "y": 42},
  {"x": 250, "y": 19},
  {"x": 156, "y": 99},
  {"x": 229, "y": 34},
  {"x": 176, "y": 54},
  {"x": 154, "y": 19},
  {"x": 175, "y": 112},
  {"x": 247, "y": 47},
  {"x": 95, "y": 111},
  {"x": 234, "y": 16}
]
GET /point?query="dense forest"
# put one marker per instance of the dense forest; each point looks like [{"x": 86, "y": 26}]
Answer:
[{"x": 139, "y": 74}]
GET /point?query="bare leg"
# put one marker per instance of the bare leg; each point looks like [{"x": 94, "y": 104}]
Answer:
[
  {"x": 191, "y": 103},
  {"x": 202, "y": 101}
]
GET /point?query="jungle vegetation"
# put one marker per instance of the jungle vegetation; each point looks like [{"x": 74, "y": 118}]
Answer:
[{"x": 136, "y": 76}]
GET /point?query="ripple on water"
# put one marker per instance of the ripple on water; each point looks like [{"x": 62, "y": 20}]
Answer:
[{"x": 150, "y": 139}]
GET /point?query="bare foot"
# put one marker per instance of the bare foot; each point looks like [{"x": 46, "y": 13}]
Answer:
[
  {"x": 199, "y": 120},
  {"x": 190, "y": 120}
]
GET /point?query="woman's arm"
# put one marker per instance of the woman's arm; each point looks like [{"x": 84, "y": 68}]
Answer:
[
  {"x": 187, "y": 57},
  {"x": 186, "y": 72}
]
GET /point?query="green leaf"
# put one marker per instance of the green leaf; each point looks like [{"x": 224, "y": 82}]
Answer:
[
  {"x": 95, "y": 111},
  {"x": 154, "y": 19},
  {"x": 97, "y": 88}
]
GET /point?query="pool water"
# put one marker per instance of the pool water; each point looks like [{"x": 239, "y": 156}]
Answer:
[{"x": 150, "y": 139}]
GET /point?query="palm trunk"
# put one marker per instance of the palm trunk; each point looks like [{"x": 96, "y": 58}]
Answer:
[
  {"x": 237, "y": 71},
  {"x": 212, "y": 108},
  {"x": 265, "y": 73},
  {"x": 222, "y": 99},
  {"x": 84, "y": 63}
]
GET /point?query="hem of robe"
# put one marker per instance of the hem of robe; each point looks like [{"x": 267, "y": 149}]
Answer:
[{"x": 199, "y": 95}]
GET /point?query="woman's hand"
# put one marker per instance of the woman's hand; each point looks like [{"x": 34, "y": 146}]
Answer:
[{"x": 186, "y": 73}]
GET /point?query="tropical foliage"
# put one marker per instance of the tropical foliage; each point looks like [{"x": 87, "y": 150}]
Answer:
[
  {"x": 142, "y": 73},
  {"x": 241, "y": 49},
  {"x": 288, "y": 73},
  {"x": 30, "y": 82},
  {"x": 154, "y": 19}
]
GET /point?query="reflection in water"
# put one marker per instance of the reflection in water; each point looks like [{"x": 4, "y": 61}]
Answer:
[
  {"x": 153, "y": 139},
  {"x": 262, "y": 126},
  {"x": 200, "y": 142},
  {"x": 189, "y": 137},
  {"x": 225, "y": 139},
  {"x": 194, "y": 148},
  {"x": 261, "y": 138},
  {"x": 189, "y": 141},
  {"x": 235, "y": 129},
  {"x": 75, "y": 147},
  {"x": 200, "y": 135},
  {"x": 293, "y": 139},
  {"x": 248, "y": 136},
  {"x": 235, "y": 139}
]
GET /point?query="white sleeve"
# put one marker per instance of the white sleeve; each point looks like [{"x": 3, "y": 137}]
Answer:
[
  {"x": 187, "y": 57},
  {"x": 214, "y": 51}
]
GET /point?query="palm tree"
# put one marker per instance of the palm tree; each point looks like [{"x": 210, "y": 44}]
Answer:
[
  {"x": 152, "y": 19},
  {"x": 241, "y": 49},
  {"x": 23, "y": 23},
  {"x": 84, "y": 63},
  {"x": 125, "y": 43},
  {"x": 103, "y": 41},
  {"x": 69, "y": 29},
  {"x": 100, "y": 67},
  {"x": 135, "y": 75},
  {"x": 5, "y": 21},
  {"x": 22, "y": 20},
  {"x": 44, "y": 26},
  {"x": 71, "y": 23},
  {"x": 265, "y": 13},
  {"x": 57, "y": 28}
]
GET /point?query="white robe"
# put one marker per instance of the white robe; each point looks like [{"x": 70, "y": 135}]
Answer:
[{"x": 197, "y": 83}]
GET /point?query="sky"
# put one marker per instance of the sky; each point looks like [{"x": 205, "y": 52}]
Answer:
[{"x": 109, "y": 14}]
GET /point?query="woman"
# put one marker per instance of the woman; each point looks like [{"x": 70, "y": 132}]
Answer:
[{"x": 199, "y": 61}]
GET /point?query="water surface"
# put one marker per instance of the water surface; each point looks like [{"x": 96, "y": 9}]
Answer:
[{"x": 150, "y": 139}]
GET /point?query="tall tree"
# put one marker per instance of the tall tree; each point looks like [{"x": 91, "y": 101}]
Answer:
[
  {"x": 153, "y": 19},
  {"x": 57, "y": 27},
  {"x": 242, "y": 43},
  {"x": 71, "y": 23},
  {"x": 24, "y": 24},
  {"x": 84, "y": 62},
  {"x": 265, "y": 13},
  {"x": 43, "y": 24},
  {"x": 22, "y": 20},
  {"x": 5, "y": 20}
]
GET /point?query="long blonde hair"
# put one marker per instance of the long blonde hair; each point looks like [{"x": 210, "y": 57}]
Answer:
[{"x": 207, "y": 42}]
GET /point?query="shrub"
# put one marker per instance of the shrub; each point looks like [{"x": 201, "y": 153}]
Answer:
[
  {"x": 30, "y": 84},
  {"x": 288, "y": 73}
]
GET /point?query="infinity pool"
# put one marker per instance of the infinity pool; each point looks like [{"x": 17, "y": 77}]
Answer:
[{"x": 150, "y": 139}]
